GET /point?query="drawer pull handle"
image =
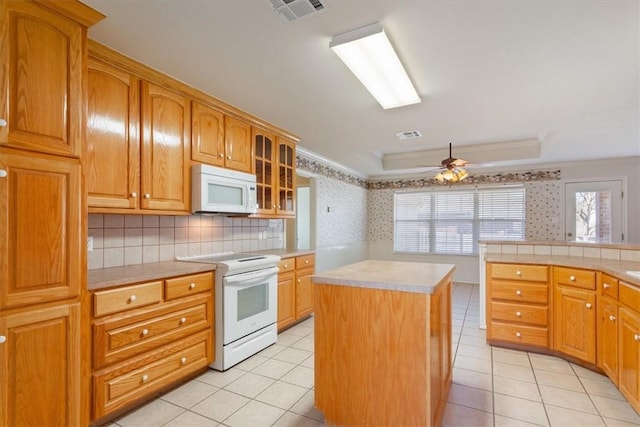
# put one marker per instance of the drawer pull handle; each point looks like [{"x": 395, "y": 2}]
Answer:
[
  {"x": 518, "y": 273},
  {"x": 3, "y": 173},
  {"x": 132, "y": 298},
  {"x": 3, "y": 339},
  {"x": 145, "y": 332},
  {"x": 183, "y": 360},
  {"x": 636, "y": 337},
  {"x": 612, "y": 318},
  {"x": 588, "y": 305},
  {"x": 183, "y": 320},
  {"x": 192, "y": 286},
  {"x": 145, "y": 378},
  {"x": 607, "y": 286},
  {"x": 518, "y": 292},
  {"x": 306, "y": 261},
  {"x": 286, "y": 266},
  {"x": 518, "y": 314},
  {"x": 572, "y": 278},
  {"x": 518, "y": 334}
]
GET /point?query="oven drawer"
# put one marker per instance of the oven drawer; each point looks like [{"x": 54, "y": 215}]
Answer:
[
  {"x": 123, "y": 384},
  {"x": 122, "y": 336},
  {"x": 286, "y": 264},
  {"x": 126, "y": 298},
  {"x": 520, "y": 334},
  {"x": 188, "y": 285},
  {"x": 520, "y": 313},
  {"x": 520, "y": 292},
  {"x": 305, "y": 261}
]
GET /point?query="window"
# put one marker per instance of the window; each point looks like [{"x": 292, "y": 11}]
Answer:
[{"x": 452, "y": 222}]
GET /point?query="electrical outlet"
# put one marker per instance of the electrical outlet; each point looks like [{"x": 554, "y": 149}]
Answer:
[{"x": 89, "y": 243}]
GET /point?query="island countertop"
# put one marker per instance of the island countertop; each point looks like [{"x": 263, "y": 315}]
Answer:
[{"x": 418, "y": 277}]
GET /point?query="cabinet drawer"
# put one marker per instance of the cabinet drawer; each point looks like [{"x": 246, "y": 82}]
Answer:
[
  {"x": 629, "y": 295},
  {"x": 188, "y": 285},
  {"x": 305, "y": 261},
  {"x": 120, "y": 337},
  {"x": 520, "y": 292},
  {"x": 126, "y": 298},
  {"x": 609, "y": 286},
  {"x": 585, "y": 279},
  {"x": 520, "y": 313},
  {"x": 287, "y": 264},
  {"x": 529, "y": 273},
  {"x": 130, "y": 381},
  {"x": 520, "y": 334}
]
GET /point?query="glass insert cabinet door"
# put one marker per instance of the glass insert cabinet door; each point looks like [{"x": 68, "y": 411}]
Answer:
[
  {"x": 264, "y": 146},
  {"x": 594, "y": 211},
  {"x": 286, "y": 177}
]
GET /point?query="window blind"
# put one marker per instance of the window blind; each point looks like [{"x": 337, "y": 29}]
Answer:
[{"x": 452, "y": 222}]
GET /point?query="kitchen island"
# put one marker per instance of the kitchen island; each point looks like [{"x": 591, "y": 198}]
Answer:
[{"x": 383, "y": 343}]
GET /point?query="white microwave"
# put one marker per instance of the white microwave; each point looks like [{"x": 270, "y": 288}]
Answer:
[{"x": 219, "y": 190}]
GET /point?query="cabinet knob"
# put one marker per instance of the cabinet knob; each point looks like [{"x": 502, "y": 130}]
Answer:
[
  {"x": 286, "y": 266},
  {"x": 588, "y": 305},
  {"x": 3, "y": 173},
  {"x": 132, "y": 298},
  {"x": 3, "y": 123},
  {"x": 518, "y": 314},
  {"x": 3, "y": 339},
  {"x": 279, "y": 207},
  {"x": 606, "y": 286},
  {"x": 145, "y": 378},
  {"x": 145, "y": 332},
  {"x": 518, "y": 292},
  {"x": 612, "y": 318},
  {"x": 572, "y": 278},
  {"x": 518, "y": 334},
  {"x": 228, "y": 157},
  {"x": 221, "y": 155},
  {"x": 636, "y": 337},
  {"x": 518, "y": 273},
  {"x": 183, "y": 360},
  {"x": 183, "y": 320},
  {"x": 134, "y": 194},
  {"x": 298, "y": 280},
  {"x": 192, "y": 286},
  {"x": 147, "y": 195},
  {"x": 306, "y": 261}
]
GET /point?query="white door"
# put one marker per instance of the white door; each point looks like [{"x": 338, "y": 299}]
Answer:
[{"x": 594, "y": 211}]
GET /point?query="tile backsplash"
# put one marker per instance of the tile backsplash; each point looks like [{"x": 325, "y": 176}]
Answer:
[{"x": 120, "y": 240}]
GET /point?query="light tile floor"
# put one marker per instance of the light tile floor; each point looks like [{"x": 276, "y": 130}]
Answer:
[{"x": 491, "y": 387}]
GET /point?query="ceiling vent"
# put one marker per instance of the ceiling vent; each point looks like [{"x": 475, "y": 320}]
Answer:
[
  {"x": 412, "y": 134},
  {"x": 294, "y": 9}
]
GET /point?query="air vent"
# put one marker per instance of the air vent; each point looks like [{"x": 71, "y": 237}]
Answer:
[
  {"x": 412, "y": 134},
  {"x": 294, "y": 9}
]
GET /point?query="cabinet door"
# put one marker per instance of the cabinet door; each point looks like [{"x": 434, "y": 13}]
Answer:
[
  {"x": 41, "y": 79},
  {"x": 286, "y": 300},
  {"x": 166, "y": 130},
  {"x": 40, "y": 367},
  {"x": 40, "y": 236},
  {"x": 113, "y": 146},
  {"x": 207, "y": 135},
  {"x": 286, "y": 178},
  {"x": 238, "y": 146},
  {"x": 304, "y": 293},
  {"x": 629, "y": 356},
  {"x": 608, "y": 337},
  {"x": 575, "y": 323},
  {"x": 264, "y": 147}
]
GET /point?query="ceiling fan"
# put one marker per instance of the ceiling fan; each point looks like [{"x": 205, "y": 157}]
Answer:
[{"x": 453, "y": 169}]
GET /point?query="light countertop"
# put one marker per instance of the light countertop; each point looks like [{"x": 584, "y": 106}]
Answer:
[{"x": 417, "y": 277}]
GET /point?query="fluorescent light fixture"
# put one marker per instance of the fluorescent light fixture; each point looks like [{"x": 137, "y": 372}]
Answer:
[{"x": 369, "y": 55}]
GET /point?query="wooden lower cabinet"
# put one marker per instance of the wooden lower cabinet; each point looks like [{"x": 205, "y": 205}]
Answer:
[
  {"x": 575, "y": 323},
  {"x": 608, "y": 337},
  {"x": 40, "y": 382},
  {"x": 295, "y": 289},
  {"x": 629, "y": 344},
  {"x": 148, "y": 336}
]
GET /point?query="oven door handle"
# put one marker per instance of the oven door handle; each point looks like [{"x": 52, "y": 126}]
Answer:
[{"x": 252, "y": 278}]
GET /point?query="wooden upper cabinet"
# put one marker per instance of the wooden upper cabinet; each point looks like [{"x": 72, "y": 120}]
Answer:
[
  {"x": 40, "y": 238},
  {"x": 166, "y": 137},
  {"x": 40, "y": 367},
  {"x": 286, "y": 164},
  {"x": 207, "y": 135},
  {"x": 237, "y": 144},
  {"x": 112, "y": 137},
  {"x": 41, "y": 76},
  {"x": 264, "y": 145}
]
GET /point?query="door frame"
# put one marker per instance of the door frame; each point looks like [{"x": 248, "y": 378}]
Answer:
[{"x": 625, "y": 216}]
